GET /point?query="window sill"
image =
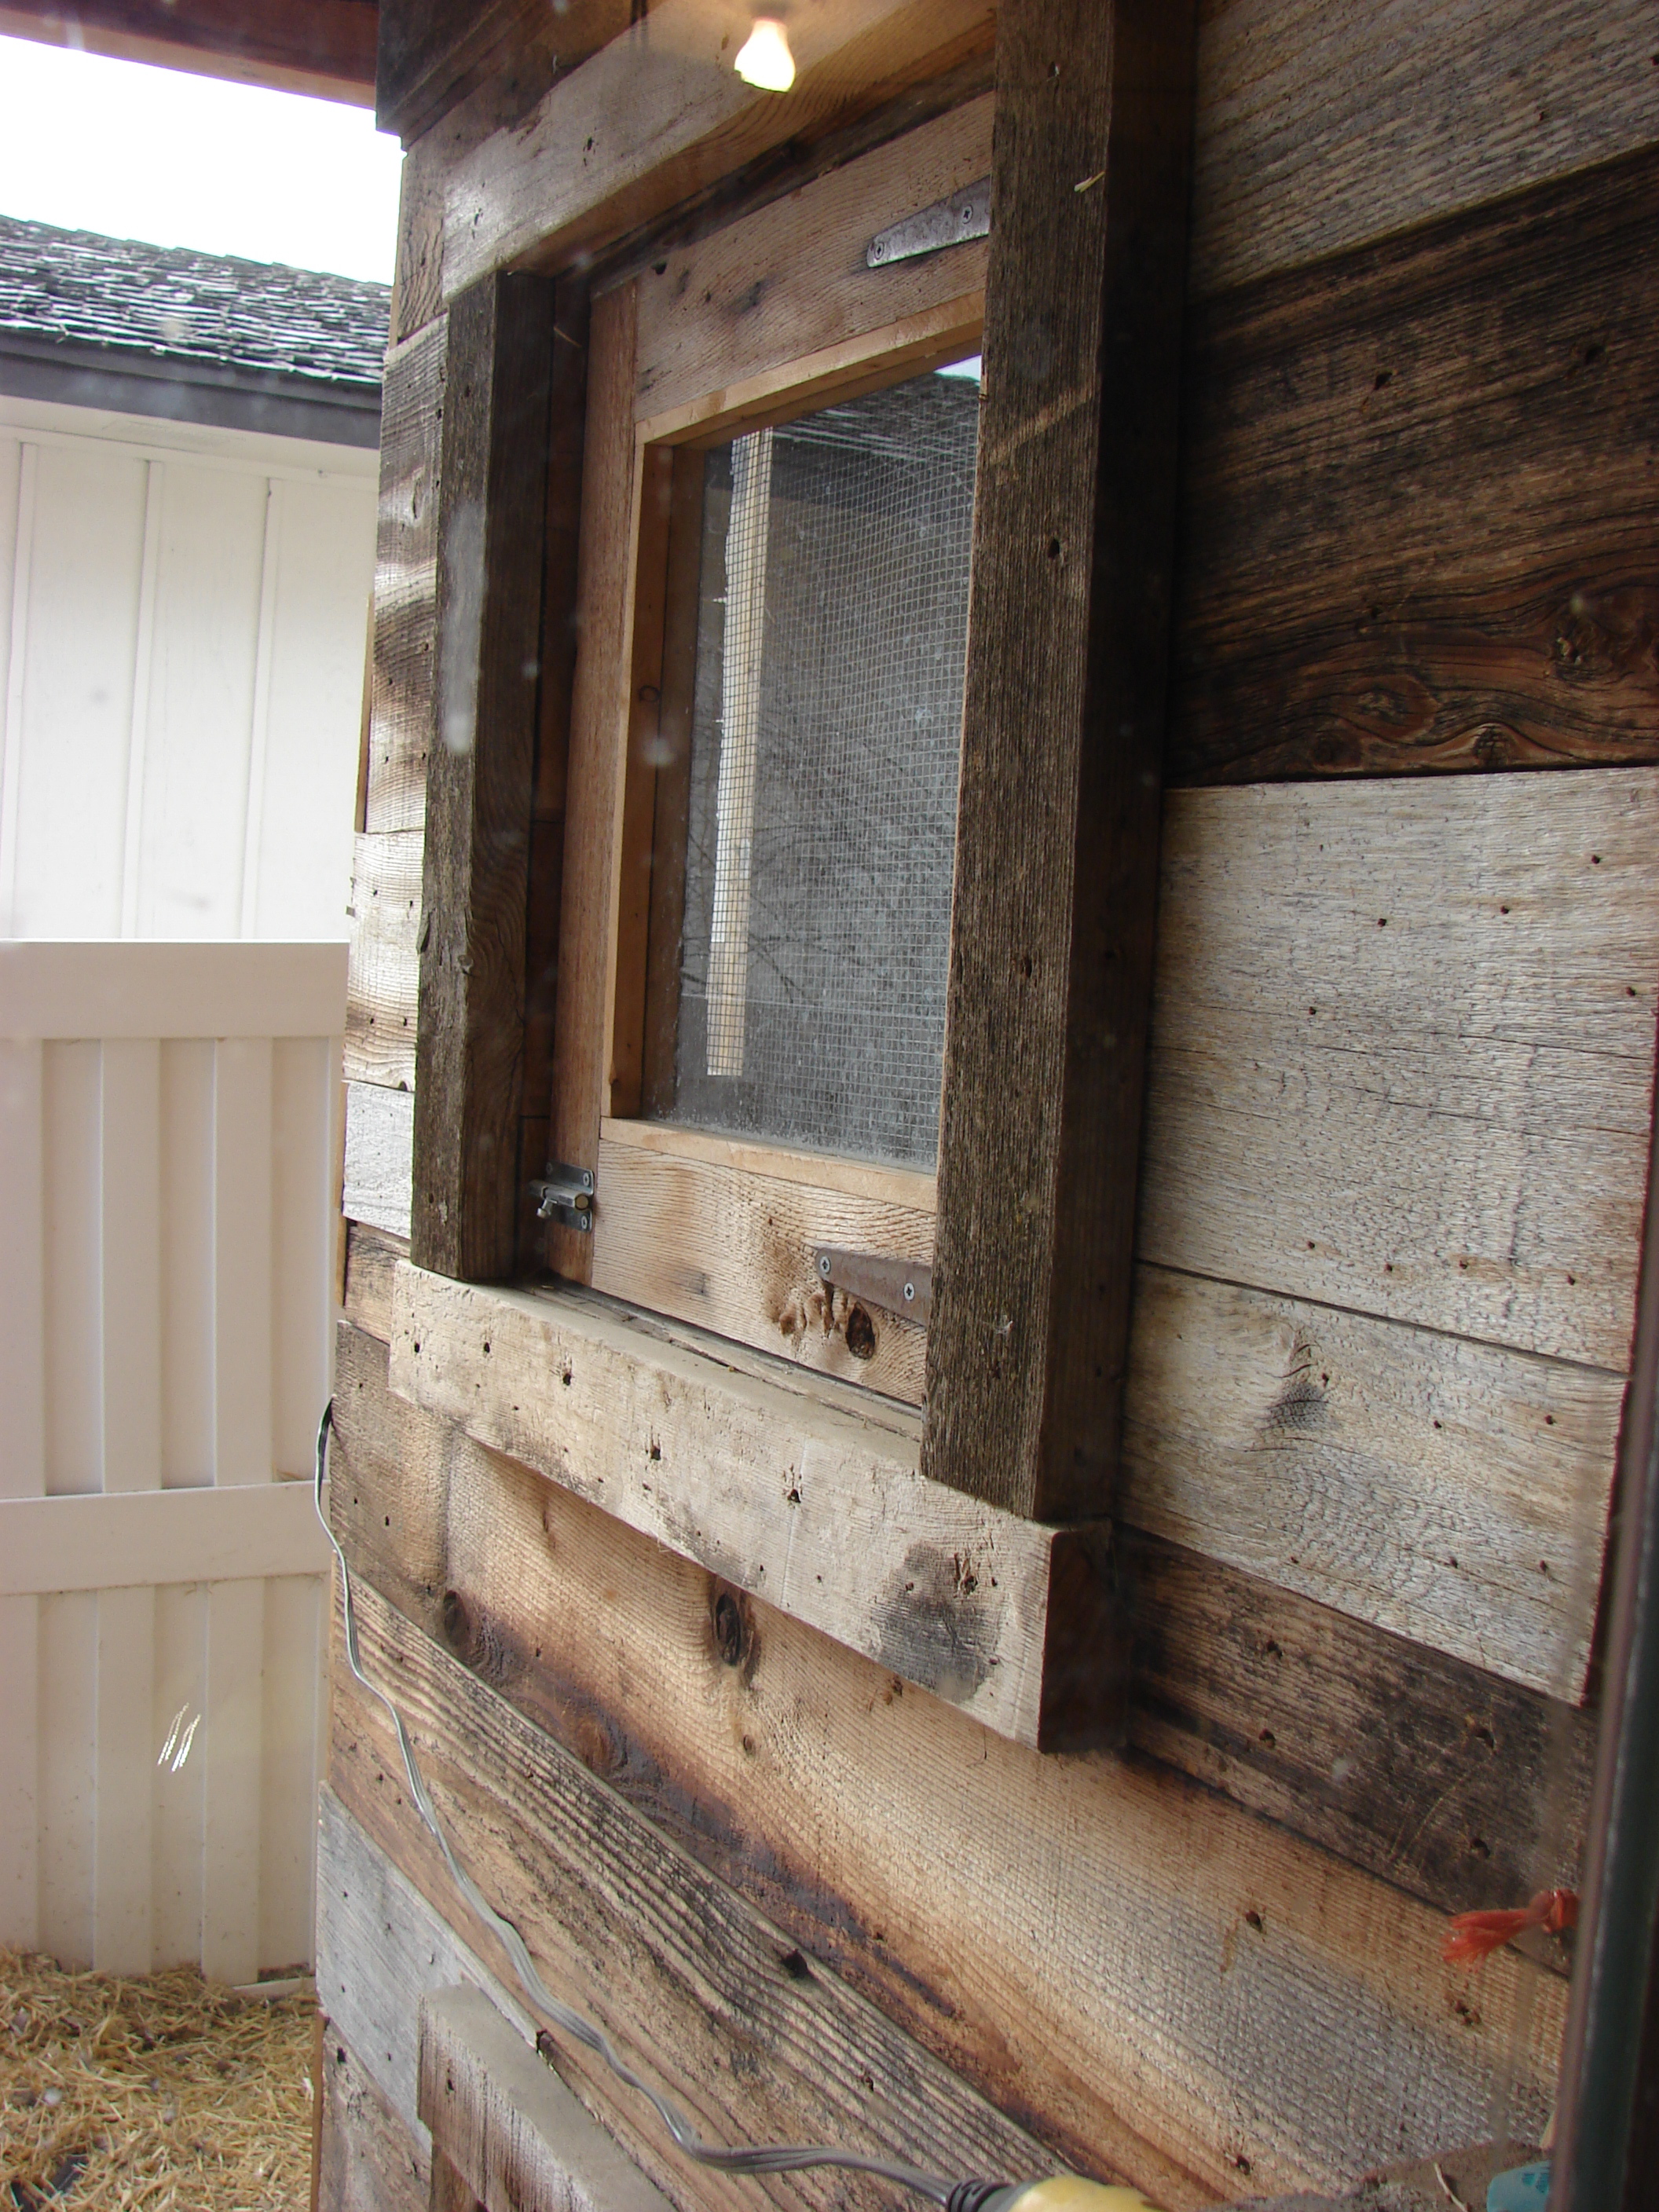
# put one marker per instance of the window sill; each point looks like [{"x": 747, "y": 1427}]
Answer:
[{"x": 785, "y": 1489}]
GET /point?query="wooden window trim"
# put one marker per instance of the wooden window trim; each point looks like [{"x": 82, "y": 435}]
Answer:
[
  {"x": 1057, "y": 839},
  {"x": 710, "y": 1234}
]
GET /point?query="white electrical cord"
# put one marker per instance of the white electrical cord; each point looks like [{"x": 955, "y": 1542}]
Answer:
[{"x": 764, "y": 2158}]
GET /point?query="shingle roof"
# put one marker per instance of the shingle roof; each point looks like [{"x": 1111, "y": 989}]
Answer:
[{"x": 74, "y": 288}]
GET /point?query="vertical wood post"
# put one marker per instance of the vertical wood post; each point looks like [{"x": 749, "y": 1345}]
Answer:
[
  {"x": 480, "y": 778},
  {"x": 1051, "y": 947}
]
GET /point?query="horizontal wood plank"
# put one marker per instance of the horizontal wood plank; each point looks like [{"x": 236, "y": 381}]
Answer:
[
  {"x": 1445, "y": 1780},
  {"x": 379, "y": 1172},
  {"x": 782, "y": 1494},
  {"x": 659, "y": 114},
  {"x": 383, "y": 986},
  {"x": 1416, "y": 531},
  {"x": 507, "y": 2125},
  {"x": 1140, "y": 1925},
  {"x": 711, "y": 1972},
  {"x": 791, "y": 279},
  {"x": 122, "y": 1538},
  {"x": 1402, "y": 1049},
  {"x": 1456, "y": 1493},
  {"x": 402, "y": 701},
  {"x": 1319, "y": 127},
  {"x": 731, "y": 1249}
]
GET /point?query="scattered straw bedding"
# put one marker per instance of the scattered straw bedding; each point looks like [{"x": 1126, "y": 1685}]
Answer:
[{"x": 163, "y": 2091}]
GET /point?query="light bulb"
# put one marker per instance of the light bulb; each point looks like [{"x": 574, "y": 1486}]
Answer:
[{"x": 764, "y": 59}]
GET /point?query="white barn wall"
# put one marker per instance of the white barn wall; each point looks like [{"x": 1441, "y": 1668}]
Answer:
[
  {"x": 168, "y": 1116},
  {"x": 183, "y": 617}
]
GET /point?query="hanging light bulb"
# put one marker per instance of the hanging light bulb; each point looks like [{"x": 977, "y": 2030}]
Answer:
[{"x": 764, "y": 58}]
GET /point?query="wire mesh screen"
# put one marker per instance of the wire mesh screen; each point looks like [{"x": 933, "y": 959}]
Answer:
[{"x": 832, "y": 633}]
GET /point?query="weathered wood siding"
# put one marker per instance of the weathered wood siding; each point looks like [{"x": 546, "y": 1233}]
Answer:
[{"x": 1399, "y": 1097}]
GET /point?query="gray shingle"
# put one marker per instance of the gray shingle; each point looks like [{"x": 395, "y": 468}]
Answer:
[{"x": 75, "y": 289}]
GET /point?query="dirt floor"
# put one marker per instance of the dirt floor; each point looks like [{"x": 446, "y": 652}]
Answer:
[{"x": 162, "y": 2091}]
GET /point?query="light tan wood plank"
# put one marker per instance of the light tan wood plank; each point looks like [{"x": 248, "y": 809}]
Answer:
[
  {"x": 659, "y": 114},
  {"x": 384, "y": 984},
  {"x": 777, "y": 1490},
  {"x": 597, "y": 760},
  {"x": 1183, "y": 1974},
  {"x": 1453, "y": 1493},
  {"x": 791, "y": 280},
  {"x": 911, "y": 1188},
  {"x": 730, "y": 1248},
  {"x": 1402, "y": 1055},
  {"x": 1319, "y": 127}
]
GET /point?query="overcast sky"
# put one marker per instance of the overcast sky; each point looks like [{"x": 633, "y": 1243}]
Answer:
[{"x": 177, "y": 160}]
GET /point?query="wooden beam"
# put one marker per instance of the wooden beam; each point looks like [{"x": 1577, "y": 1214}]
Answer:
[
  {"x": 433, "y": 52},
  {"x": 480, "y": 777},
  {"x": 507, "y": 2125},
  {"x": 1449, "y": 1782},
  {"x": 324, "y": 49},
  {"x": 820, "y": 2062},
  {"x": 1415, "y": 529},
  {"x": 1056, "y": 874},
  {"x": 799, "y": 1498},
  {"x": 659, "y": 114}
]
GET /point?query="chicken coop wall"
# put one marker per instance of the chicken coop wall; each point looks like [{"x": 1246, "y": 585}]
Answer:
[{"x": 1395, "y": 1156}]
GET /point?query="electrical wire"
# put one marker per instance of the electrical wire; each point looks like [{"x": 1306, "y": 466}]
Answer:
[{"x": 761, "y": 2158}]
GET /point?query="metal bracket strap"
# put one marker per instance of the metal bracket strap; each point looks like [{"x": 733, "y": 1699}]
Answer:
[
  {"x": 904, "y": 1287},
  {"x": 965, "y": 214}
]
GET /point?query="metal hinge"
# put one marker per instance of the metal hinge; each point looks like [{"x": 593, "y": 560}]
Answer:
[
  {"x": 564, "y": 1195},
  {"x": 904, "y": 1287},
  {"x": 965, "y": 214}
]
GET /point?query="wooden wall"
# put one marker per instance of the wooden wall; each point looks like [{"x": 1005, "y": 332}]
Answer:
[{"x": 1394, "y": 1165}]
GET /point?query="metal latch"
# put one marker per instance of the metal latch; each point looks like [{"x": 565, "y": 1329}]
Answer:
[
  {"x": 564, "y": 1195},
  {"x": 904, "y": 1287},
  {"x": 965, "y": 214}
]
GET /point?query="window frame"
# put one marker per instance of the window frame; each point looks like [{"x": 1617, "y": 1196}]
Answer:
[{"x": 703, "y": 1227}]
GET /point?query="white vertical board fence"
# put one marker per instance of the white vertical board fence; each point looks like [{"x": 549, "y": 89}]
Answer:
[
  {"x": 183, "y": 613},
  {"x": 168, "y": 1125}
]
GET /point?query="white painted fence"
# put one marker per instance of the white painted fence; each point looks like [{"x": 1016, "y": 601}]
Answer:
[{"x": 168, "y": 1147}]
